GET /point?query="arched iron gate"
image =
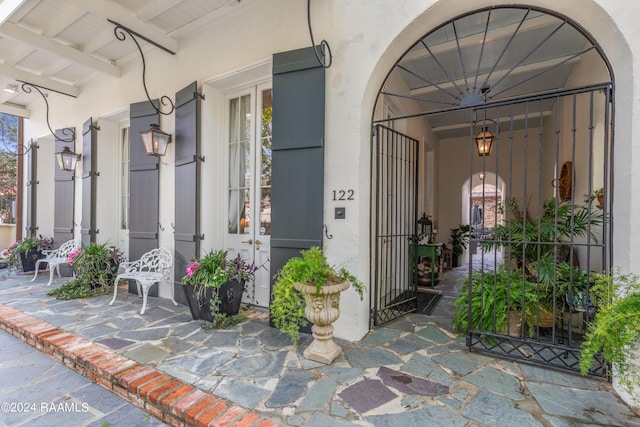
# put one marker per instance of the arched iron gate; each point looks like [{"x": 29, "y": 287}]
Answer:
[
  {"x": 531, "y": 274},
  {"x": 394, "y": 214}
]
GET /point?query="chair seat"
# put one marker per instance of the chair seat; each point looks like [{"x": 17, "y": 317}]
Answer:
[{"x": 143, "y": 276}]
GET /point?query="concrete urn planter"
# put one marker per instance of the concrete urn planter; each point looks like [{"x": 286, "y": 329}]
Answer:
[{"x": 322, "y": 310}]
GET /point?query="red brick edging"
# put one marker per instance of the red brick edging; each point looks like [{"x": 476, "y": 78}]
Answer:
[{"x": 163, "y": 396}]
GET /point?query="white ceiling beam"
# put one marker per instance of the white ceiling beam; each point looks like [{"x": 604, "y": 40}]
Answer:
[
  {"x": 18, "y": 74},
  {"x": 26, "y": 36},
  {"x": 457, "y": 126},
  {"x": 111, "y": 10},
  {"x": 536, "y": 66},
  {"x": 15, "y": 110},
  {"x": 8, "y": 8},
  {"x": 219, "y": 13}
]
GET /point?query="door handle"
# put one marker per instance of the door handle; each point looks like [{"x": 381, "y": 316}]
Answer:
[
  {"x": 258, "y": 243},
  {"x": 247, "y": 241}
]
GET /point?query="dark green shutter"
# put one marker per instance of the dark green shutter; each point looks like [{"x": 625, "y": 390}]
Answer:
[
  {"x": 187, "y": 183},
  {"x": 89, "y": 182},
  {"x": 64, "y": 196},
  {"x": 298, "y": 155},
  {"x": 32, "y": 189},
  {"x": 143, "y": 187}
]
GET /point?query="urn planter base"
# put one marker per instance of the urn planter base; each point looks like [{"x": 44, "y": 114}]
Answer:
[{"x": 322, "y": 310}]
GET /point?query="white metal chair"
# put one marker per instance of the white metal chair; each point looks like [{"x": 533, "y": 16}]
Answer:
[
  {"x": 153, "y": 267},
  {"x": 56, "y": 257}
]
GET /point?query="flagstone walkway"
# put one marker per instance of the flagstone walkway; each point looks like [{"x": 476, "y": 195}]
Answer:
[{"x": 411, "y": 372}]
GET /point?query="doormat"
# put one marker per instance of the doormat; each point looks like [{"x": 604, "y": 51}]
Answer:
[{"x": 427, "y": 302}]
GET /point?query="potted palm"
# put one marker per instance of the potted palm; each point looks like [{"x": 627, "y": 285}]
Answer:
[
  {"x": 214, "y": 284},
  {"x": 308, "y": 288},
  {"x": 459, "y": 241},
  {"x": 26, "y": 252}
]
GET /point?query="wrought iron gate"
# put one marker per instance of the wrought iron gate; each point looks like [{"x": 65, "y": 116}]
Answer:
[
  {"x": 532, "y": 271},
  {"x": 394, "y": 213}
]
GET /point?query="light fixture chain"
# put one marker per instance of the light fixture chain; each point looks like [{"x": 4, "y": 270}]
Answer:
[{"x": 121, "y": 33}]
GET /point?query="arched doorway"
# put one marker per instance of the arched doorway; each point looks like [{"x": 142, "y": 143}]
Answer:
[{"x": 518, "y": 93}]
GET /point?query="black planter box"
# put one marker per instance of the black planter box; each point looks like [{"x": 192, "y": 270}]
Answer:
[
  {"x": 230, "y": 299},
  {"x": 28, "y": 260}
]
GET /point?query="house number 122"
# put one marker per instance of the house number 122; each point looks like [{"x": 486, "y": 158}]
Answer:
[{"x": 343, "y": 195}]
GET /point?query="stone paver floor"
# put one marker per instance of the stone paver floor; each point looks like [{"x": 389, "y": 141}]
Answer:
[{"x": 411, "y": 372}]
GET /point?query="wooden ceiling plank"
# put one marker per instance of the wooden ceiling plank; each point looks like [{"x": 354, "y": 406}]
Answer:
[
  {"x": 18, "y": 74},
  {"x": 15, "y": 32},
  {"x": 111, "y": 10}
]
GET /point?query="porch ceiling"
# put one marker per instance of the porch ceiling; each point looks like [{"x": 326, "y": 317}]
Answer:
[{"x": 60, "y": 44}]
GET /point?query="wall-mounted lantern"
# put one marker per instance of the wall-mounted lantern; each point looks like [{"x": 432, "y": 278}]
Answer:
[
  {"x": 67, "y": 159},
  {"x": 155, "y": 141}
]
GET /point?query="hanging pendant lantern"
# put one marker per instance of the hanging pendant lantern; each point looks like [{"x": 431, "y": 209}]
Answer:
[
  {"x": 67, "y": 159},
  {"x": 155, "y": 141},
  {"x": 484, "y": 140}
]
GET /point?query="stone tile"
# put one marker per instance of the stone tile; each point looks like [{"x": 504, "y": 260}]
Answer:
[
  {"x": 318, "y": 397},
  {"x": 249, "y": 346},
  {"x": 145, "y": 334},
  {"x": 273, "y": 339},
  {"x": 553, "y": 376},
  {"x": 410, "y": 384},
  {"x": 177, "y": 346},
  {"x": 402, "y": 325},
  {"x": 261, "y": 365},
  {"x": 380, "y": 336},
  {"x": 426, "y": 416},
  {"x": 371, "y": 358},
  {"x": 324, "y": 420},
  {"x": 461, "y": 363},
  {"x": 98, "y": 398},
  {"x": 202, "y": 363},
  {"x": 492, "y": 410},
  {"x": 253, "y": 327},
  {"x": 146, "y": 353},
  {"x": 115, "y": 343},
  {"x": 342, "y": 375},
  {"x": 408, "y": 344},
  {"x": 240, "y": 392},
  {"x": 496, "y": 381},
  {"x": 97, "y": 332},
  {"x": 337, "y": 410},
  {"x": 291, "y": 387},
  {"x": 589, "y": 406},
  {"x": 366, "y": 395},
  {"x": 223, "y": 339},
  {"x": 127, "y": 324},
  {"x": 426, "y": 368},
  {"x": 433, "y": 334},
  {"x": 411, "y": 402}
]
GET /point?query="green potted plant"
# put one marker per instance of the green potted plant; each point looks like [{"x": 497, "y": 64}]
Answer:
[
  {"x": 26, "y": 252},
  {"x": 214, "y": 285},
  {"x": 95, "y": 268},
  {"x": 598, "y": 195},
  {"x": 497, "y": 303},
  {"x": 459, "y": 241},
  {"x": 308, "y": 288},
  {"x": 614, "y": 333}
]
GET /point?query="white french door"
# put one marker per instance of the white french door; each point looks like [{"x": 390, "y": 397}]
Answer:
[{"x": 248, "y": 183}]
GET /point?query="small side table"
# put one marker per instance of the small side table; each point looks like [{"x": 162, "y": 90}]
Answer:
[{"x": 433, "y": 251}]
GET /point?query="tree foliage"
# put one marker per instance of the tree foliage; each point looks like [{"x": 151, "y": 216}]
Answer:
[{"x": 8, "y": 166}]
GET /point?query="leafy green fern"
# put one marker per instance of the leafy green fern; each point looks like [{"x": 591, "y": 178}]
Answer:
[{"x": 615, "y": 331}]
